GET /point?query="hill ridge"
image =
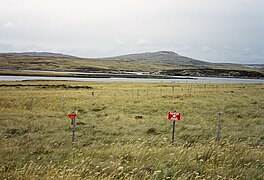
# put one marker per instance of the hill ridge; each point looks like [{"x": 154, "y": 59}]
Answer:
[
  {"x": 43, "y": 54},
  {"x": 160, "y": 57}
]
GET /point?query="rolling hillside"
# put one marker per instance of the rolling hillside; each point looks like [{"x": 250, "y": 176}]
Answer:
[
  {"x": 40, "y": 54},
  {"x": 161, "y": 57},
  {"x": 161, "y": 62}
]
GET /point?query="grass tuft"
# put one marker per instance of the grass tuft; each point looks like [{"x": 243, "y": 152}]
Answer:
[{"x": 123, "y": 133}]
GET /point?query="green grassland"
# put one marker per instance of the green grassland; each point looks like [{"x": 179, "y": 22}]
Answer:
[
  {"x": 9, "y": 64},
  {"x": 75, "y": 64},
  {"x": 122, "y": 131}
]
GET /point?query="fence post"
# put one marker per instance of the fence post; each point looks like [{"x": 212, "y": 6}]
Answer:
[
  {"x": 218, "y": 129},
  {"x": 73, "y": 130},
  {"x": 62, "y": 102},
  {"x": 173, "y": 131},
  {"x": 31, "y": 104}
]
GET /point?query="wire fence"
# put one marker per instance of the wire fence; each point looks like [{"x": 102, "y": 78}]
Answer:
[{"x": 60, "y": 99}]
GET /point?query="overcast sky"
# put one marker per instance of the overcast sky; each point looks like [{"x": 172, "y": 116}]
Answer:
[{"x": 209, "y": 30}]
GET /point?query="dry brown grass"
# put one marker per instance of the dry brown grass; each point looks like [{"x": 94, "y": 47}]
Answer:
[{"x": 112, "y": 143}]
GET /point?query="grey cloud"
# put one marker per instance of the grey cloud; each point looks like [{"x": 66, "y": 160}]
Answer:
[
  {"x": 119, "y": 41},
  {"x": 5, "y": 47},
  {"x": 142, "y": 41},
  {"x": 209, "y": 30},
  {"x": 8, "y": 25},
  {"x": 206, "y": 49}
]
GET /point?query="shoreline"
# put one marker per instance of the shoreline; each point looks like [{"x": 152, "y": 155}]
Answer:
[{"x": 110, "y": 74}]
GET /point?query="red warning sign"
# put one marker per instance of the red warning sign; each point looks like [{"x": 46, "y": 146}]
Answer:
[
  {"x": 72, "y": 116},
  {"x": 174, "y": 116}
]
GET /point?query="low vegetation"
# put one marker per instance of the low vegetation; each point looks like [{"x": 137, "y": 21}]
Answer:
[
  {"x": 217, "y": 72},
  {"x": 122, "y": 131},
  {"x": 18, "y": 62},
  {"x": 10, "y": 64}
]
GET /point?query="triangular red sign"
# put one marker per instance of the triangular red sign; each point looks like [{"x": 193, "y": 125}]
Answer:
[{"x": 72, "y": 116}]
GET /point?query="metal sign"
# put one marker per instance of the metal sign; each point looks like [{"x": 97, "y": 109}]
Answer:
[
  {"x": 174, "y": 116},
  {"x": 72, "y": 116}
]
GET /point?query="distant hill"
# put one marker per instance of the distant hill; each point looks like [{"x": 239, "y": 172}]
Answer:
[
  {"x": 42, "y": 54},
  {"x": 160, "y": 57},
  {"x": 162, "y": 62}
]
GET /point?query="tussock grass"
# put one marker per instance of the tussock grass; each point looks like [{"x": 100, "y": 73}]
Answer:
[
  {"x": 122, "y": 131},
  {"x": 74, "y": 64}
]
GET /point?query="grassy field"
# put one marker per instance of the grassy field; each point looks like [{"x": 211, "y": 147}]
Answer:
[
  {"x": 10, "y": 64},
  {"x": 76, "y": 64},
  {"x": 122, "y": 131}
]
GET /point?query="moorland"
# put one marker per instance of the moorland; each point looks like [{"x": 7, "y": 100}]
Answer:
[
  {"x": 161, "y": 64},
  {"x": 122, "y": 131}
]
